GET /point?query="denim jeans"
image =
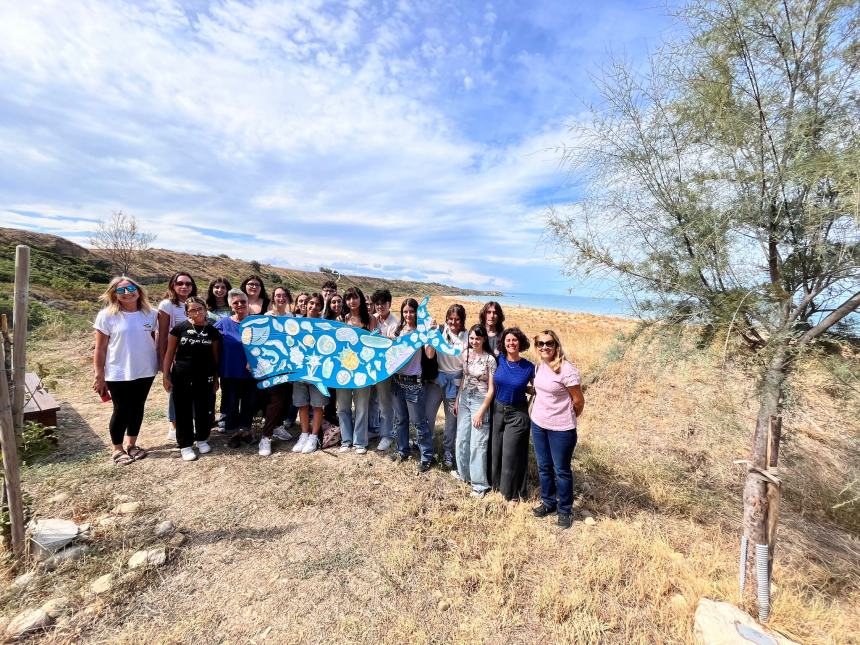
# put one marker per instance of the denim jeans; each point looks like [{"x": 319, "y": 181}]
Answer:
[
  {"x": 435, "y": 397},
  {"x": 554, "y": 452},
  {"x": 239, "y": 401},
  {"x": 472, "y": 442},
  {"x": 353, "y": 427},
  {"x": 171, "y": 408},
  {"x": 384, "y": 397},
  {"x": 409, "y": 406}
]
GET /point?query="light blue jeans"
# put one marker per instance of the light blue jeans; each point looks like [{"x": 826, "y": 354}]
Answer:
[
  {"x": 409, "y": 406},
  {"x": 435, "y": 395},
  {"x": 386, "y": 408},
  {"x": 472, "y": 442},
  {"x": 353, "y": 427}
]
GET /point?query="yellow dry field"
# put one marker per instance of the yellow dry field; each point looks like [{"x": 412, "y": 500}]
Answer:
[{"x": 331, "y": 548}]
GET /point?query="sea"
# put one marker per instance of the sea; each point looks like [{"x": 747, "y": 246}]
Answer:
[{"x": 575, "y": 304}]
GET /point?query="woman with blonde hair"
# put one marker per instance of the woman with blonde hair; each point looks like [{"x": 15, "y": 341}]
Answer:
[
  {"x": 125, "y": 362},
  {"x": 557, "y": 404}
]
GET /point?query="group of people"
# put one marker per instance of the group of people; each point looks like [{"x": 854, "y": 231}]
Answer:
[{"x": 484, "y": 391}]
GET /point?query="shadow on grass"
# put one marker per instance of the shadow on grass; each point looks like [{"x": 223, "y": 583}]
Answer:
[
  {"x": 239, "y": 534},
  {"x": 77, "y": 440}
]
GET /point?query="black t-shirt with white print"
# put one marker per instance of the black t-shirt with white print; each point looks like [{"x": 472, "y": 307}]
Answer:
[{"x": 194, "y": 351}]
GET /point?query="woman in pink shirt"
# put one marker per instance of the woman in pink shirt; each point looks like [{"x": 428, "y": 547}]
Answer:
[{"x": 557, "y": 404}]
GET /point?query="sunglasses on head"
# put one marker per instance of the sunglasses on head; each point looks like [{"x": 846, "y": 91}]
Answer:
[
  {"x": 129, "y": 289},
  {"x": 183, "y": 284},
  {"x": 545, "y": 343}
]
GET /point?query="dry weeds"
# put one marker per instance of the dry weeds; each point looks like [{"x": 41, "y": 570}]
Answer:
[{"x": 332, "y": 548}]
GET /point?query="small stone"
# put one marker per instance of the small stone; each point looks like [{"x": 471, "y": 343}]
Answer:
[
  {"x": 122, "y": 498},
  {"x": 578, "y": 502},
  {"x": 444, "y": 605},
  {"x": 150, "y": 558},
  {"x": 102, "y": 584},
  {"x": 106, "y": 522},
  {"x": 24, "y": 580},
  {"x": 84, "y": 528},
  {"x": 127, "y": 508},
  {"x": 51, "y": 535},
  {"x": 589, "y": 521},
  {"x": 72, "y": 554},
  {"x": 26, "y": 622},
  {"x": 164, "y": 529},
  {"x": 59, "y": 498},
  {"x": 177, "y": 540},
  {"x": 138, "y": 559},
  {"x": 56, "y": 606}
]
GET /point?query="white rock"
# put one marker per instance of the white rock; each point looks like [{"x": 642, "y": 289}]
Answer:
[
  {"x": 589, "y": 521},
  {"x": 56, "y": 606},
  {"x": 127, "y": 508},
  {"x": 27, "y": 621},
  {"x": 25, "y": 580},
  {"x": 51, "y": 535},
  {"x": 59, "y": 498},
  {"x": 721, "y": 623},
  {"x": 102, "y": 584},
  {"x": 138, "y": 559},
  {"x": 71, "y": 554},
  {"x": 176, "y": 540},
  {"x": 164, "y": 529},
  {"x": 150, "y": 558},
  {"x": 106, "y": 521}
]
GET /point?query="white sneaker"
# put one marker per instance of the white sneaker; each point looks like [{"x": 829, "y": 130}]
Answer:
[
  {"x": 203, "y": 447},
  {"x": 171, "y": 433},
  {"x": 361, "y": 450},
  {"x": 384, "y": 443},
  {"x": 188, "y": 454},
  {"x": 265, "y": 448},
  {"x": 344, "y": 449},
  {"x": 300, "y": 444},
  {"x": 311, "y": 444},
  {"x": 282, "y": 434}
]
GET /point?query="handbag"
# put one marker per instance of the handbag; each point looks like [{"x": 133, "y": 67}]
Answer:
[{"x": 331, "y": 435}]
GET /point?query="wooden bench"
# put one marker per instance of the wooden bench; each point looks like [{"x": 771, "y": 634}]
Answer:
[{"x": 39, "y": 406}]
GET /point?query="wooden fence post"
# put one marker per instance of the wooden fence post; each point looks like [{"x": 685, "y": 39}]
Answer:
[
  {"x": 19, "y": 334},
  {"x": 11, "y": 465}
]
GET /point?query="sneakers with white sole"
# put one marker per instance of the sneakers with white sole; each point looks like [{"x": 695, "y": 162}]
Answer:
[
  {"x": 311, "y": 444},
  {"x": 384, "y": 444},
  {"x": 188, "y": 454},
  {"x": 282, "y": 434},
  {"x": 265, "y": 448},
  {"x": 361, "y": 450},
  {"x": 171, "y": 433},
  {"x": 300, "y": 444},
  {"x": 203, "y": 447},
  {"x": 344, "y": 448}
]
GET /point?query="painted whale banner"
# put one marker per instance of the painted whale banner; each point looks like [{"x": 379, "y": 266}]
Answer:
[{"x": 325, "y": 353}]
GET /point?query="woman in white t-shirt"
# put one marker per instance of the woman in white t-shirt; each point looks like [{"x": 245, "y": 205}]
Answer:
[
  {"x": 125, "y": 362},
  {"x": 171, "y": 312},
  {"x": 557, "y": 404}
]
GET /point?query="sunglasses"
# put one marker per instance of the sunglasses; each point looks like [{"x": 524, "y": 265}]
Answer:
[
  {"x": 549, "y": 344},
  {"x": 129, "y": 289},
  {"x": 183, "y": 284}
]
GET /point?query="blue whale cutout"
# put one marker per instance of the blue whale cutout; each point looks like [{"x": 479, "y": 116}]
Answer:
[{"x": 325, "y": 353}]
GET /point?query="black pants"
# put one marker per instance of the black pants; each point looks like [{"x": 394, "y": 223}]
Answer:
[
  {"x": 192, "y": 401},
  {"x": 128, "y": 397},
  {"x": 238, "y": 396},
  {"x": 280, "y": 399},
  {"x": 510, "y": 451}
]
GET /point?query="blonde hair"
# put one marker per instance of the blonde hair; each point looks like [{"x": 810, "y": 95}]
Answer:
[
  {"x": 559, "y": 358},
  {"x": 112, "y": 302}
]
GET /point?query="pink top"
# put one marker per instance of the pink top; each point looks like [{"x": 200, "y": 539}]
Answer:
[{"x": 553, "y": 408}]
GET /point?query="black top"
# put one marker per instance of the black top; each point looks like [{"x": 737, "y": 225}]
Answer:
[{"x": 194, "y": 355}]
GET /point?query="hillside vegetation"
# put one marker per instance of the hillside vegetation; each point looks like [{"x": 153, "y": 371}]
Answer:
[{"x": 332, "y": 548}]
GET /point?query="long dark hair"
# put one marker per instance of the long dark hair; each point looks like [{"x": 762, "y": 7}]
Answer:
[
  {"x": 363, "y": 313},
  {"x": 263, "y": 295},
  {"x": 407, "y": 302},
  {"x": 481, "y": 331},
  {"x": 171, "y": 294},
  {"x": 289, "y": 306},
  {"x": 211, "y": 300},
  {"x": 328, "y": 312},
  {"x": 500, "y": 317}
]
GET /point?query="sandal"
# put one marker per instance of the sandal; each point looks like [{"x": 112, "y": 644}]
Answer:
[
  {"x": 136, "y": 452},
  {"x": 121, "y": 458}
]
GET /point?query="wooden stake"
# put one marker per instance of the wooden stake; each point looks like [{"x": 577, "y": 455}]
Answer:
[
  {"x": 11, "y": 465},
  {"x": 774, "y": 435},
  {"x": 19, "y": 334}
]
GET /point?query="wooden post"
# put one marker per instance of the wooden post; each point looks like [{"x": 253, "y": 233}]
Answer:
[
  {"x": 11, "y": 466},
  {"x": 774, "y": 436},
  {"x": 19, "y": 334}
]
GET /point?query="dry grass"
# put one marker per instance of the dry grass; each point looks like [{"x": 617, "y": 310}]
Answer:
[{"x": 332, "y": 548}]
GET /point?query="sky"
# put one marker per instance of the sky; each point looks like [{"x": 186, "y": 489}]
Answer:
[{"x": 406, "y": 139}]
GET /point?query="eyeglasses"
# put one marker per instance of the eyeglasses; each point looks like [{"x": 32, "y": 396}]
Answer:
[
  {"x": 183, "y": 284},
  {"x": 238, "y": 303},
  {"x": 195, "y": 310},
  {"x": 253, "y": 284},
  {"x": 549, "y": 344},
  {"x": 129, "y": 289}
]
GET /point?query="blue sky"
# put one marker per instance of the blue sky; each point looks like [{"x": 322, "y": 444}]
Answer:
[{"x": 409, "y": 139}]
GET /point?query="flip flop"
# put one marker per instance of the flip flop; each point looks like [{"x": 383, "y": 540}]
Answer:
[
  {"x": 136, "y": 453},
  {"x": 121, "y": 459}
]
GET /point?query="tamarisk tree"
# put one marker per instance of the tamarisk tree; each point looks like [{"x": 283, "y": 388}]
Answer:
[
  {"x": 722, "y": 183},
  {"x": 121, "y": 240}
]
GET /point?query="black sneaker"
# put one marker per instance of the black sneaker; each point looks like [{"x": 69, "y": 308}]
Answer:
[
  {"x": 424, "y": 466},
  {"x": 565, "y": 520},
  {"x": 235, "y": 441},
  {"x": 542, "y": 511}
]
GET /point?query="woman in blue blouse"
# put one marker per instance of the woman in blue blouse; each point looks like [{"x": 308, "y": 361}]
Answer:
[{"x": 511, "y": 428}]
